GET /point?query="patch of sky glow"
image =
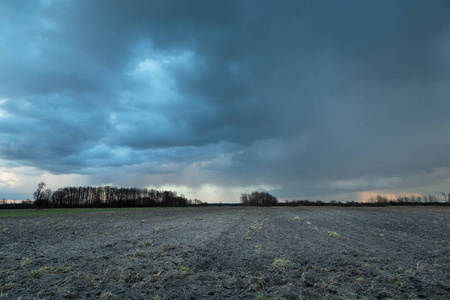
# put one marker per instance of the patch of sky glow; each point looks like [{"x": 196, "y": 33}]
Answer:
[
  {"x": 8, "y": 180},
  {"x": 154, "y": 91},
  {"x": 61, "y": 180},
  {"x": 22, "y": 181},
  {"x": 365, "y": 195},
  {"x": 113, "y": 118},
  {"x": 3, "y": 113},
  {"x": 156, "y": 70},
  {"x": 158, "y": 77},
  {"x": 122, "y": 154},
  {"x": 15, "y": 176},
  {"x": 390, "y": 195}
]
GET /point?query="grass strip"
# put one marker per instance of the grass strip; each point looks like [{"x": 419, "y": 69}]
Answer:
[{"x": 61, "y": 211}]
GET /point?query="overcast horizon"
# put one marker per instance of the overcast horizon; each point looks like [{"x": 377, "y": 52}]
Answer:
[{"x": 329, "y": 100}]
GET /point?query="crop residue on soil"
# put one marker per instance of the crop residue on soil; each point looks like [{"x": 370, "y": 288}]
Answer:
[{"x": 229, "y": 252}]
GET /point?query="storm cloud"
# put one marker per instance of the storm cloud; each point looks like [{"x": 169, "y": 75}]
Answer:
[{"x": 304, "y": 98}]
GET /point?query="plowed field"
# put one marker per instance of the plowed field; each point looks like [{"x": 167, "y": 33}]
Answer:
[{"x": 229, "y": 253}]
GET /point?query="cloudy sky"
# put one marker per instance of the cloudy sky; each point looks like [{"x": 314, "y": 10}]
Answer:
[{"x": 305, "y": 99}]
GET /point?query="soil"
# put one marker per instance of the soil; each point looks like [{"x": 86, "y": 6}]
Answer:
[{"x": 229, "y": 253}]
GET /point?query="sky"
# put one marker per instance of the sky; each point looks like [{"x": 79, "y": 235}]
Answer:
[{"x": 329, "y": 100}]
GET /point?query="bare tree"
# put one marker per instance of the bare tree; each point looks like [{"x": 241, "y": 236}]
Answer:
[{"x": 38, "y": 195}]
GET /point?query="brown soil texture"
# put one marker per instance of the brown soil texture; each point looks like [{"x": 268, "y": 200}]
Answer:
[{"x": 229, "y": 253}]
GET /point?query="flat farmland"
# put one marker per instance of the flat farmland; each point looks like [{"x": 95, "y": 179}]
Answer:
[{"x": 229, "y": 253}]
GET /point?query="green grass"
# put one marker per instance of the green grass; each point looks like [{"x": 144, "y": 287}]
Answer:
[
  {"x": 5, "y": 229},
  {"x": 9, "y": 286},
  {"x": 25, "y": 262},
  {"x": 62, "y": 211},
  {"x": 123, "y": 278},
  {"x": 146, "y": 244},
  {"x": 334, "y": 235},
  {"x": 186, "y": 269},
  {"x": 37, "y": 273},
  {"x": 281, "y": 264},
  {"x": 139, "y": 253},
  {"x": 60, "y": 269},
  {"x": 260, "y": 296},
  {"x": 399, "y": 280}
]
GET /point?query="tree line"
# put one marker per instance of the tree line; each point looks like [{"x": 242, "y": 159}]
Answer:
[
  {"x": 403, "y": 199},
  {"x": 377, "y": 200},
  {"x": 108, "y": 196},
  {"x": 258, "y": 199},
  {"x": 266, "y": 199},
  {"x": 111, "y": 196}
]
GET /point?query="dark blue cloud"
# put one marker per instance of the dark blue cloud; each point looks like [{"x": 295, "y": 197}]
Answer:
[{"x": 294, "y": 94}]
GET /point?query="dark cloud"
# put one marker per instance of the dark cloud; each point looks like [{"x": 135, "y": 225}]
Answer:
[{"x": 295, "y": 94}]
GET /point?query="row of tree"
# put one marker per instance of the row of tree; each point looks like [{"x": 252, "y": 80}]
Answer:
[
  {"x": 108, "y": 196},
  {"x": 404, "y": 199},
  {"x": 266, "y": 199},
  {"x": 377, "y": 200},
  {"x": 258, "y": 199},
  {"x": 111, "y": 196}
]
